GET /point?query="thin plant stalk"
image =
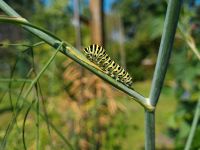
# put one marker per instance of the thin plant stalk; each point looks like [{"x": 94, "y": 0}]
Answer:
[
  {"x": 23, "y": 45},
  {"x": 190, "y": 41},
  {"x": 24, "y": 122},
  {"x": 170, "y": 25},
  {"x": 34, "y": 81},
  {"x": 43, "y": 117},
  {"x": 42, "y": 71},
  {"x": 194, "y": 126},
  {"x": 38, "y": 119},
  {"x": 14, "y": 80}
]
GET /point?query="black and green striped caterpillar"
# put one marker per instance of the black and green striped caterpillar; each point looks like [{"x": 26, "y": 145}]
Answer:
[{"x": 97, "y": 55}]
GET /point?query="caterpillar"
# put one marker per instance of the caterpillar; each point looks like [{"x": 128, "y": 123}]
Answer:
[{"x": 98, "y": 56}]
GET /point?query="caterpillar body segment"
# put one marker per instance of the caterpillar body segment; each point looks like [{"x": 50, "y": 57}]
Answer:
[{"x": 97, "y": 55}]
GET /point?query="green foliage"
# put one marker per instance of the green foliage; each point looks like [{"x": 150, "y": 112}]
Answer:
[
  {"x": 142, "y": 10},
  {"x": 28, "y": 8},
  {"x": 143, "y": 31},
  {"x": 186, "y": 70}
]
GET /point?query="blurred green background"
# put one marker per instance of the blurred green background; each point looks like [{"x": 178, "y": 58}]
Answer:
[{"x": 88, "y": 112}]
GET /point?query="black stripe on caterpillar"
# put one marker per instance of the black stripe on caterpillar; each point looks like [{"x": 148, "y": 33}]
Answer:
[{"x": 98, "y": 56}]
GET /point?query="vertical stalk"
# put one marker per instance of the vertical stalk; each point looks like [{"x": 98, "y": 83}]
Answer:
[
  {"x": 150, "y": 130},
  {"x": 165, "y": 49},
  {"x": 194, "y": 126},
  {"x": 171, "y": 20}
]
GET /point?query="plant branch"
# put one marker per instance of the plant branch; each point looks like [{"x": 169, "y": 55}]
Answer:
[
  {"x": 167, "y": 40},
  {"x": 149, "y": 130},
  {"x": 165, "y": 49},
  {"x": 53, "y": 127},
  {"x": 14, "y": 80},
  {"x": 74, "y": 54},
  {"x": 194, "y": 126},
  {"x": 33, "y": 82}
]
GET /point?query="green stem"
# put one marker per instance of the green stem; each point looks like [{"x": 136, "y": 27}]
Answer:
[
  {"x": 42, "y": 71},
  {"x": 171, "y": 20},
  {"x": 165, "y": 49},
  {"x": 29, "y": 90},
  {"x": 20, "y": 44},
  {"x": 59, "y": 133},
  {"x": 194, "y": 126},
  {"x": 15, "y": 80},
  {"x": 150, "y": 130},
  {"x": 76, "y": 55}
]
